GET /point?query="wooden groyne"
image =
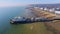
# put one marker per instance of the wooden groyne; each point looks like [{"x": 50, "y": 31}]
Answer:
[{"x": 53, "y": 26}]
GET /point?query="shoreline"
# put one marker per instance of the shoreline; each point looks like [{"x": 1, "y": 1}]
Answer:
[{"x": 51, "y": 26}]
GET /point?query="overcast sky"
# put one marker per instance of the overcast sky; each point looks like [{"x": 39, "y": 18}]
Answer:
[{"x": 25, "y": 2}]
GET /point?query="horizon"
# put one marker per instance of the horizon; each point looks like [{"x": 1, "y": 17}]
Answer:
[{"x": 7, "y": 3}]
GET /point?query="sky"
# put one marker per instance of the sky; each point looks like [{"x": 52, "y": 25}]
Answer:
[{"x": 4, "y": 3}]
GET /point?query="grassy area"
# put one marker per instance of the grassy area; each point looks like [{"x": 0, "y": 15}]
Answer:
[{"x": 31, "y": 28}]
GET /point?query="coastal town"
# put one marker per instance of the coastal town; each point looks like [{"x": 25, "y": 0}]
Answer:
[
  {"x": 53, "y": 26},
  {"x": 29, "y": 16},
  {"x": 48, "y": 18}
]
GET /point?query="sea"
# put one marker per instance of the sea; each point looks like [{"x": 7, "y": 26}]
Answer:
[{"x": 7, "y": 13}]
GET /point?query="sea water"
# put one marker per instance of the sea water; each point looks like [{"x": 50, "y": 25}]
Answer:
[{"x": 6, "y": 13}]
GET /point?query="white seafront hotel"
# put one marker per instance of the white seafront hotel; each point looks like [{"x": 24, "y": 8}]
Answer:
[{"x": 57, "y": 11}]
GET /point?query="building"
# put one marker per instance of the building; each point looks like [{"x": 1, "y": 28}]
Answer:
[
  {"x": 57, "y": 10},
  {"x": 45, "y": 8}
]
